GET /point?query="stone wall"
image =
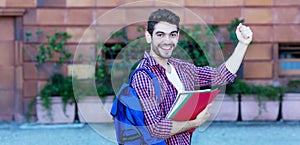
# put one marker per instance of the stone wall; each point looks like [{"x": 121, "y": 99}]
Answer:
[{"x": 272, "y": 22}]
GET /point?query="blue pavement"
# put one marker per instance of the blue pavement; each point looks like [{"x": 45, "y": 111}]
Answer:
[{"x": 218, "y": 133}]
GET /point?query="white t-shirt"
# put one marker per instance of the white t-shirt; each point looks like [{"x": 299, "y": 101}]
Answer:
[{"x": 174, "y": 79}]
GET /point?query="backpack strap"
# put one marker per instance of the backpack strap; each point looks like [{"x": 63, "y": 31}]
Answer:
[{"x": 155, "y": 81}]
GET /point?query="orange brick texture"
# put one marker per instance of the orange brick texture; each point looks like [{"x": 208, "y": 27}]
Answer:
[{"x": 272, "y": 22}]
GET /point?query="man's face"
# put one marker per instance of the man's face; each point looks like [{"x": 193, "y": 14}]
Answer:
[{"x": 164, "y": 39}]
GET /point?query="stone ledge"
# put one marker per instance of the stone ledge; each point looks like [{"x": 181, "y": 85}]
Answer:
[{"x": 12, "y": 12}]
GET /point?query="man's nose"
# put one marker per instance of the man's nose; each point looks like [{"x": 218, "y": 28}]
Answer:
[{"x": 167, "y": 38}]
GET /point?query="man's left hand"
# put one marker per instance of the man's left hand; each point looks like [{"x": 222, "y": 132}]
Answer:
[{"x": 244, "y": 34}]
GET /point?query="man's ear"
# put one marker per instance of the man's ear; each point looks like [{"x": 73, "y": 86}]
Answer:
[{"x": 148, "y": 37}]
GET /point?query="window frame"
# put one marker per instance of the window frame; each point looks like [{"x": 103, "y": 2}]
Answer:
[{"x": 287, "y": 46}]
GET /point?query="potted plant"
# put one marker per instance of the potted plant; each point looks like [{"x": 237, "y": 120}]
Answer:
[
  {"x": 260, "y": 102},
  {"x": 58, "y": 89},
  {"x": 291, "y": 101},
  {"x": 55, "y": 104}
]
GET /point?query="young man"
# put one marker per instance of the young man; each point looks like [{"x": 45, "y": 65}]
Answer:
[{"x": 175, "y": 75}]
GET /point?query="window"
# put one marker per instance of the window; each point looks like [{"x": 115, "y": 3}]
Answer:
[{"x": 289, "y": 59}]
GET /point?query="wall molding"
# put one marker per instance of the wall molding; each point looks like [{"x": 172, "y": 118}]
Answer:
[{"x": 12, "y": 12}]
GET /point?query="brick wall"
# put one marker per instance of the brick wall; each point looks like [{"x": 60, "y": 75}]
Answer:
[{"x": 272, "y": 21}]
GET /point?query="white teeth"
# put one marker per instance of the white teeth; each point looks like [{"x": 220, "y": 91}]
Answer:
[{"x": 166, "y": 47}]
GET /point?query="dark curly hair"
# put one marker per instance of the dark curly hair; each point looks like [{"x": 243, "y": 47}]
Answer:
[{"x": 162, "y": 15}]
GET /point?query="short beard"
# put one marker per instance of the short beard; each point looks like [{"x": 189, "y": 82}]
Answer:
[{"x": 156, "y": 51}]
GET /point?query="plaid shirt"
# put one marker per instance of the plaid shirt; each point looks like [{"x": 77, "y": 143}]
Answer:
[{"x": 155, "y": 111}]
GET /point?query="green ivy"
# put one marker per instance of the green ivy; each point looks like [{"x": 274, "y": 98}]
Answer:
[
  {"x": 263, "y": 93},
  {"x": 55, "y": 45},
  {"x": 103, "y": 79},
  {"x": 231, "y": 28},
  {"x": 57, "y": 85},
  {"x": 293, "y": 86}
]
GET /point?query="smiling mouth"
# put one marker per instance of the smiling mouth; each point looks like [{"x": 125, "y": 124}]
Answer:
[{"x": 166, "y": 47}]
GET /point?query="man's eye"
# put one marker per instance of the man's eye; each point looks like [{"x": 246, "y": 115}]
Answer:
[
  {"x": 173, "y": 35},
  {"x": 159, "y": 35}
]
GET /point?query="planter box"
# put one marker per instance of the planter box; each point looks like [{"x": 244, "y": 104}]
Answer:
[
  {"x": 291, "y": 106},
  {"x": 229, "y": 108},
  {"x": 92, "y": 110},
  {"x": 81, "y": 71},
  {"x": 250, "y": 109},
  {"x": 58, "y": 115}
]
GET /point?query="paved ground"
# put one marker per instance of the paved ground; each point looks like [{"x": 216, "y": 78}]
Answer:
[{"x": 219, "y": 133}]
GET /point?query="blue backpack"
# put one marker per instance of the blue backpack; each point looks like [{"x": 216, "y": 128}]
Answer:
[{"x": 129, "y": 117}]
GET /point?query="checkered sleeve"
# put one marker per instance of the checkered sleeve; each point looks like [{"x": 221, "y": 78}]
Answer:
[
  {"x": 209, "y": 76},
  {"x": 158, "y": 125}
]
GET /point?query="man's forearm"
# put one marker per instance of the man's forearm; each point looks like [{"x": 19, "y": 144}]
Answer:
[
  {"x": 181, "y": 126},
  {"x": 234, "y": 61}
]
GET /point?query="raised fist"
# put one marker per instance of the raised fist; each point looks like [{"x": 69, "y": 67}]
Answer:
[{"x": 244, "y": 34}]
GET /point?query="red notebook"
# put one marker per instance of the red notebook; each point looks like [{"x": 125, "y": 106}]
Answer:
[{"x": 189, "y": 104}]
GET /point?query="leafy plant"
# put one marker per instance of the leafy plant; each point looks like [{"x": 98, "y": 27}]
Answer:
[
  {"x": 293, "y": 86},
  {"x": 124, "y": 54},
  {"x": 191, "y": 42},
  {"x": 231, "y": 30},
  {"x": 262, "y": 93},
  {"x": 238, "y": 87},
  {"x": 56, "y": 44},
  {"x": 57, "y": 84},
  {"x": 103, "y": 79},
  {"x": 55, "y": 47}
]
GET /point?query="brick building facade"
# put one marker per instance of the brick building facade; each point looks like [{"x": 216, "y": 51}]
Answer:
[{"x": 275, "y": 23}]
